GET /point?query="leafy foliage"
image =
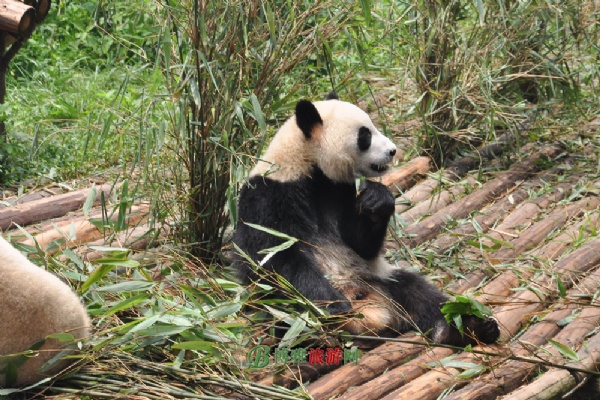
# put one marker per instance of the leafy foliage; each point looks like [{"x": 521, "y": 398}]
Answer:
[{"x": 454, "y": 310}]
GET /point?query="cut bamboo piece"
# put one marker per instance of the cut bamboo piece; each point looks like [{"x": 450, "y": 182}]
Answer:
[
  {"x": 437, "y": 202},
  {"x": 16, "y": 17},
  {"x": 400, "y": 179},
  {"x": 389, "y": 381},
  {"x": 371, "y": 365},
  {"x": 531, "y": 237},
  {"x": 523, "y": 304},
  {"x": 46, "y": 208},
  {"x": 559, "y": 381},
  {"x": 502, "y": 285},
  {"x": 506, "y": 377},
  {"x": 431, "y": 226}
]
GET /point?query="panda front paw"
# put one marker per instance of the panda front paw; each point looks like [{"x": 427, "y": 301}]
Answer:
[
  {"x": 375, "y": 200},
  {"x": 475, "y": 330}
]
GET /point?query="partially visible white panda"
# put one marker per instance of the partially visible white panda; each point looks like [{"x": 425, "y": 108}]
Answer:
[
  {"x": 34, "y": 304},
  {"x": 304, "y": 186}
]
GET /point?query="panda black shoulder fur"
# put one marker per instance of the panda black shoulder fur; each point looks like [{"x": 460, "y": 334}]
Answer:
[
  {"x": 34, "y": 304},
  {"x": 304, "y": 186}
]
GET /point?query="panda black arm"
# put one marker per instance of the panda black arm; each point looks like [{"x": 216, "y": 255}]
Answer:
[
  {"x": 287, "y": 208},
  {"x": 365, "y": 228}
]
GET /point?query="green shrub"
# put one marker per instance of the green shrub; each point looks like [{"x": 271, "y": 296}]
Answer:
[{"x": 227, "y": 62}]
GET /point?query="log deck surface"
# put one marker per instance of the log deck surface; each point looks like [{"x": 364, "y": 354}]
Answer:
[{"x": 524, "y": 242}]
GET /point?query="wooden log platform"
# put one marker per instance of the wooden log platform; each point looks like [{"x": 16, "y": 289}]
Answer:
[{"x": 523, "y": 240}]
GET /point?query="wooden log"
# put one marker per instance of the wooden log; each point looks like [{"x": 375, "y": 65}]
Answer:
[
  {"x": 428, "y": 228},
  {"x": 437, "y": 202},
  {"x": 485, "y": 220},
  {"x": 12, "y": 201},
  {"x": 528, "y": 239},
  {"x": 523, "y": 304},
  {"x": 502, "y": 285},
  {"x": 391, "y": 380},
  {"x": 400, "y": 179},
  {"x": 42, "y": 7},
  {"x": 70, "y": 234},
  {"x": 511, "y": 374},
  {"x": 531, "y": 237},
  {"x": 16, "y": 18},
  {"x": 454, "y": 172},
  {"x": 418, "y": 193},
  {"x": 559, "y": 381},
  {"x": 369, "y": 366},
  {"x": 46, "y": 208}
]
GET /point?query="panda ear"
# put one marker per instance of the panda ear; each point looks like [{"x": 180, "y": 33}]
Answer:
[
  {"x": 332, "y": 96},
  {"x": 307, "y": 117}
]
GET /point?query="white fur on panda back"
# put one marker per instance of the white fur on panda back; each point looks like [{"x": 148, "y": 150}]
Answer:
[{"x": 34, "y": 304}]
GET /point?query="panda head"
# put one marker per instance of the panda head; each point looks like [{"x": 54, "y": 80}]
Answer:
[{"x": 336, "y": 136}]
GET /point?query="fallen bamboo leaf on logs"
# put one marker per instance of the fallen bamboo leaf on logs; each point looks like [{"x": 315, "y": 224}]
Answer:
[
  {"x": 513, "y": 314},
  {"x": 47, "y": 208},
  {"x": 502, "y": 285},
  {"x": 84, "y": 231},
  {"x": 534, "y": 235},
  {"x": 506, "y": 377},
  {"x": 528, "y": 239},
  {"x": 454, "y": 172}
]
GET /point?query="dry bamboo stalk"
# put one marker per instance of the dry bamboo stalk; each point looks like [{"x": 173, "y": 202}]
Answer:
[
  {"x": 454, "y": 172},
  {"x": 428, "y": 228},
  {"x": 371, "y": 365},
  {"x": 400, "y": 179},
  {"x": 559, "y": 381},
  {"x": 133, "y": 239},
  {"x": 428, "y": 386},
  {"x": 391, "y": 380},
  {"x": 16, "y": 17},
  {"x": 418, "y": 193},
  {"x": 46, "y": 208},
  {"x": 487, "y": 219},
  {"x": 437, "y": 202}
]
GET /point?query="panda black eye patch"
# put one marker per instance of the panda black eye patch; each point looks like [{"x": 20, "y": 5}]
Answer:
[{"x": 364, "y": 138}]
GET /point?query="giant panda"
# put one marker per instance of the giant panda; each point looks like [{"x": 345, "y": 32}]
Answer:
[
  {"x": 305, "y": 186},
  {"x": 34, "y": 304}
]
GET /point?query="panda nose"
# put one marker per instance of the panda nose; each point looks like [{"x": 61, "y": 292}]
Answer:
[{"x": 392, "y": 153}]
